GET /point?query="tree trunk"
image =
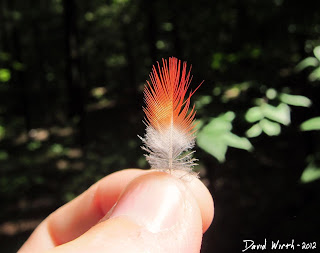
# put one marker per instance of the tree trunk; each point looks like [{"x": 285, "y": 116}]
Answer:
[
  {"x": 75, "y": 86},
  {"x": 151, "y": 28},
  {"x": 18, "y": 77}
]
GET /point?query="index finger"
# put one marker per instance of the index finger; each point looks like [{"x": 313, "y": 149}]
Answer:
[{"x": 79, "y": 215}]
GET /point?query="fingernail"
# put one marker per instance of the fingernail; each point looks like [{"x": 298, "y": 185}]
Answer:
[{"x": 155, "y": 202}]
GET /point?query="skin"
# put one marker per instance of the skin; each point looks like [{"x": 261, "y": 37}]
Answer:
[{"x": 131, "y": 210}]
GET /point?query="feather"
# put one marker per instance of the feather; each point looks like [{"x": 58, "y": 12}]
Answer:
[{"x": 170, "y": 132}]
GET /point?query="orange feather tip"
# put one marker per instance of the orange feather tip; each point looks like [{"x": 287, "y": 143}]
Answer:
[{"x": 166, "y": 99}]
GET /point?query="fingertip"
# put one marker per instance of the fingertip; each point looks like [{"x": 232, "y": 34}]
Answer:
[
  {"x": 200, "y": 193},
  {"x": 196, "y": 187},
  {"x": 109, "y": 188},
  {"x": 154, "y": 200},
  {"x": 204, "y": 200}
]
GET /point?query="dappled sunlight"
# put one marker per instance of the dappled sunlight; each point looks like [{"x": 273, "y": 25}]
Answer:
[
  {"x": 39, "y": 134},
  {"x": 62, "y": 164},
  {"x": 98, "y": 92},
  {"x": 74, "y": 153},
  {"x": 22, "y": 138},
  {"x": 61, "y": 131},
  {"x": 101, "y": 104},
  {"x": 72, "y": 75},
  {"x": 231, "y": 93},
  {"x": 16, "y": 227}
]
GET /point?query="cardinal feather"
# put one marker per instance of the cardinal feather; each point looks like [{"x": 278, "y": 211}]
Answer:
[{"x": 169, "y": 119}]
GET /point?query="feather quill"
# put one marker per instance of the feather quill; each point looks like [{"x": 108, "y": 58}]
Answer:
[{"x": 170, "y": 132}]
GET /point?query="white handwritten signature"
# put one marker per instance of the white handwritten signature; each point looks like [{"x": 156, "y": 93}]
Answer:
[{"x": 277, "y": 245}]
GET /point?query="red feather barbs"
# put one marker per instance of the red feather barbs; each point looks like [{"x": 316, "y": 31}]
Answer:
[
  {"x": 165, "y": 97},
  {"x": 170, "y": 125}
]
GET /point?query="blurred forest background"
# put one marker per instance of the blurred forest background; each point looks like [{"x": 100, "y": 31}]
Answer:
[{"x": 71, "y": 81}]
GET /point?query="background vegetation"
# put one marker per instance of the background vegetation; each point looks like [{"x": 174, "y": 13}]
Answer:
[{"x": 71, "y": 81}]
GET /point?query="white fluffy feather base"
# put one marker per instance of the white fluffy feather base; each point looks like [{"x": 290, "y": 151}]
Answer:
[{"x": 169, "y": 149}]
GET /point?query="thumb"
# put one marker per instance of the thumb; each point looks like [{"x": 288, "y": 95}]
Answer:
[{"x": 155, "y": 213}]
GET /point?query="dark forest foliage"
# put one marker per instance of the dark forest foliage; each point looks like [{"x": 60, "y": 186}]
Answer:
[{"x": 71, "y": 81}]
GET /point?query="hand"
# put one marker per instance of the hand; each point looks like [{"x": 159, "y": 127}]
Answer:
[{"x": 155, "y": 212}]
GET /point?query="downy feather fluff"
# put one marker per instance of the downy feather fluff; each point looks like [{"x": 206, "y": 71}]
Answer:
[{"x": 170, "y": 133}]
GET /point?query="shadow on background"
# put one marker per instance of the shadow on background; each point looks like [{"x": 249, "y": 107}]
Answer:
[{"x": 71, "y": 81}]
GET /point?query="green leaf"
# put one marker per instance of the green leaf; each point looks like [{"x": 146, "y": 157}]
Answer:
[
  {"x": 254, "y": 131},
  {"x": 254, "y": 114},
  {"x": 211, "y": 139},
  {"x": 220, "y": 124},
  {"x": 217, "y": 61},
  {"x": 33, "y": 145},
  {"x": 269, "y": 127},
  {"x": 315, "y": 75},
  {"x": 89, "y": 16},
  {"x": 271, "y": 93},
  {"x": 203, "y": 101},
  {"x": 213, "y": 144},
  {"x": 295, "y": 100},
  {"x": 311, "y": 124},
  {"x": 57, "y": 148},
  {"x": 4, "y": 56},
  {"x": 216, "y": 136},
  {"x": 17, "y": 65},
  {"x": 235, "y": 141},
  {"x": 2, "y": 132},
  {"x": 228, "y": 116},
  {"x": 280, "y": 114},
  {"x": 311, "y": 173},
  {"x": 3, "y": 155},
  {"x": 307, "y": 62},
  {"x": 316, "y": 52},
  {"x": 121, "y": 1},
  {"x": 5, "y": 75}
]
